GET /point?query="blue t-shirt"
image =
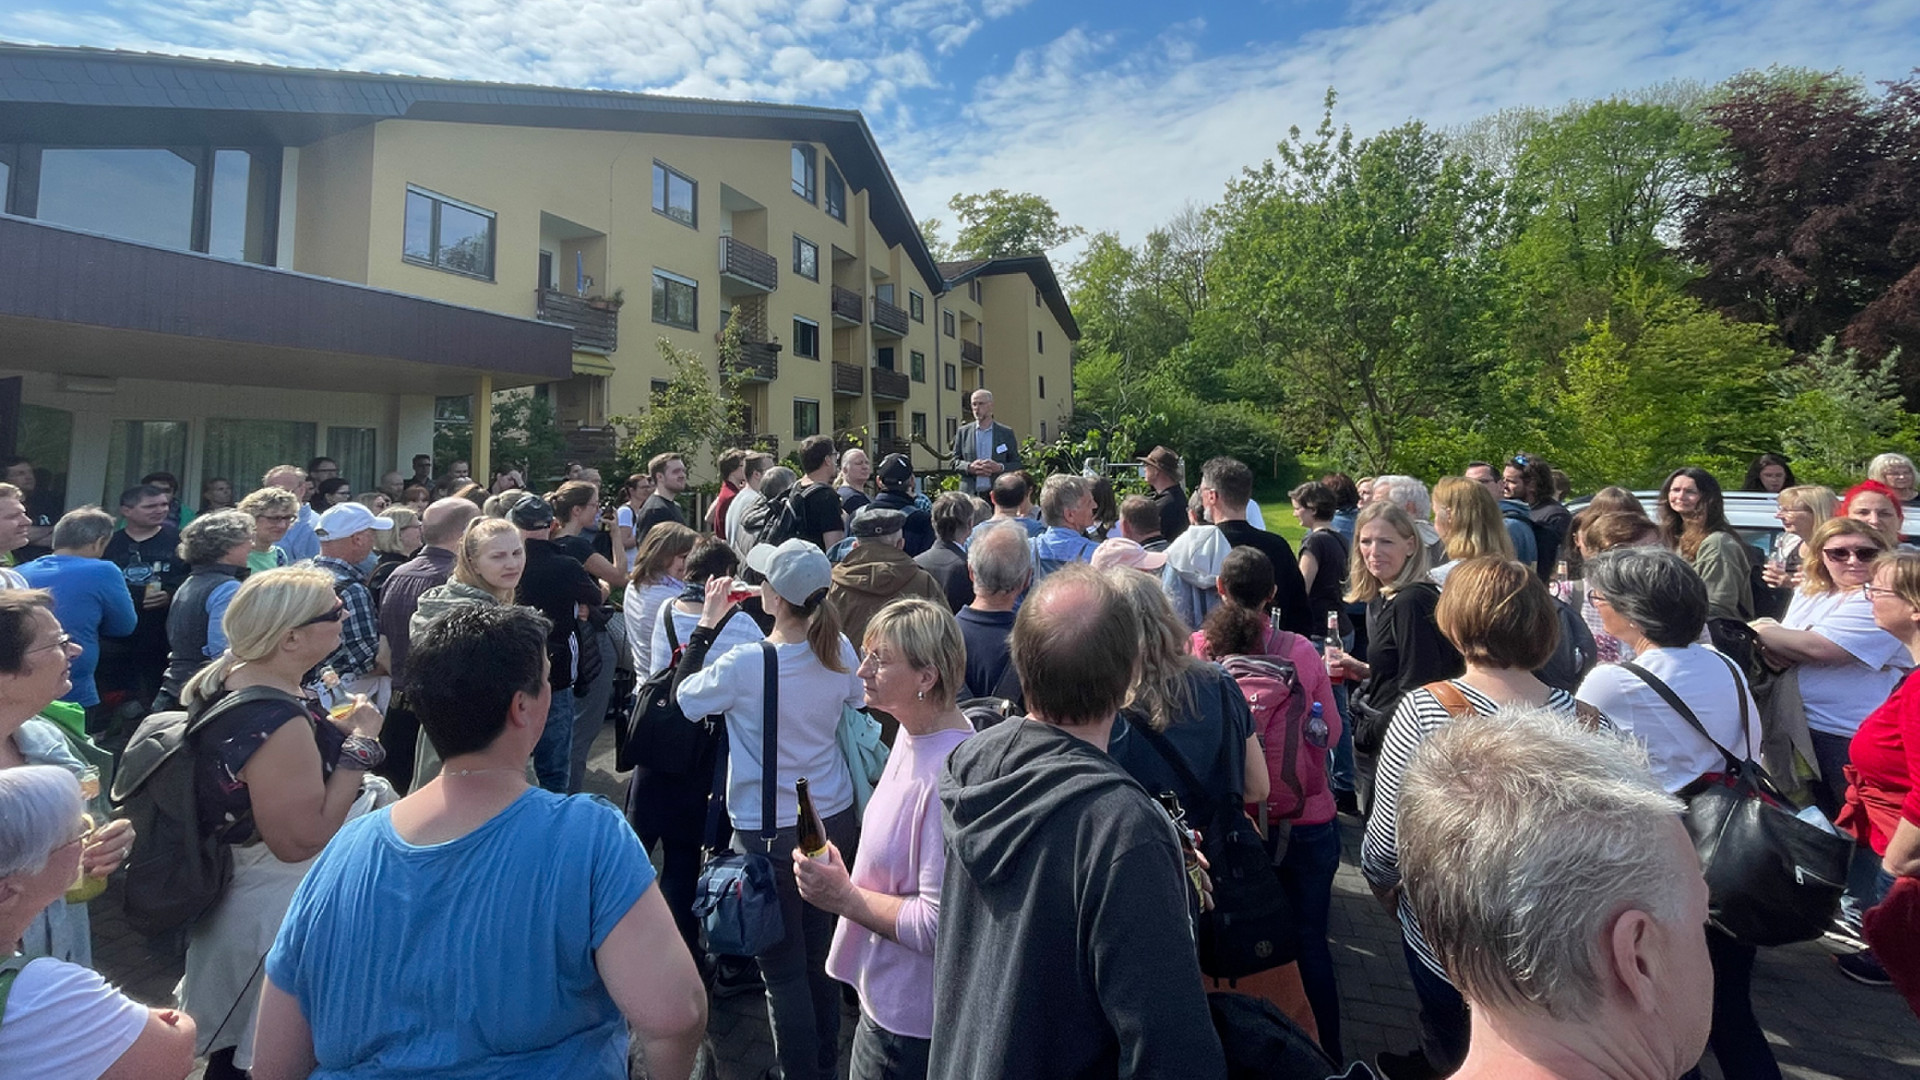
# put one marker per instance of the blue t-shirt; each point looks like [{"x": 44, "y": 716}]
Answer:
[
  {"x": 471, "y": 959},
  {"x": 90, "y": 599}
]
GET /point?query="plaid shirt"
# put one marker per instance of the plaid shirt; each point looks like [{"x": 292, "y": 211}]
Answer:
[{"x": 360, "y": 632}]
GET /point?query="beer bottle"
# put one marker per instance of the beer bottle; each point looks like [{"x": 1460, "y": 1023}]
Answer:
[
  {"x": 809, "y": 832},
  {"x": 1171, "y": 803}
]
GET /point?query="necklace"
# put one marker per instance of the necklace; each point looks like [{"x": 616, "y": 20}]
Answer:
[{"x": 476, "y": 772}]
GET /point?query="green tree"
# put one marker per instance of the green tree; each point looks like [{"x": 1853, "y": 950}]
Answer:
[
  {"x": 525, "y": 435},
  {"x": 692, "y": 414},
  {"x": 933, "y": 231},
  {"x": 1837, "y": 410},
  {"x": 1002, "y": 222}
]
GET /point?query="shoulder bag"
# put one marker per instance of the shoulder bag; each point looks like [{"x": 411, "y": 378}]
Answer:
[
  {"x": 736, "y": 899},
  {"x": 865, "y": 751},
  {"x": 1251, "y": 927},
  {"x": 1772, "y": 878},
  {"x": 658, "y": 735}
]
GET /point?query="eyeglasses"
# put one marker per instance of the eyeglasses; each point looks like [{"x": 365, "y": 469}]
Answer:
[
  {"x": 274, "y": 517},
  {"x": 60, "y": 642},
  {"x": 338, "y": 613},
  {"x": 1850, "y": 554},
  {"x": 1598, "y": 598},
  {"x": 1875, "y": 592}
]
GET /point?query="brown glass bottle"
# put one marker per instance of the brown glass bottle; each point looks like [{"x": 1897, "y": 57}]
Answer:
[{"x": 810, "y": 834}]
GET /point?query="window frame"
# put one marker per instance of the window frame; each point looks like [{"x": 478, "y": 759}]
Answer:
[
  {"x": 807, "y": 154},
  {"x": 916, "y": 307},
  {"x": 947, "y": 323},
  {"x": 953, "y": 376},
  {"x": 670, "y": 278},
  {"x": 801, "y": 321},
  {"x": 797, "y": 403},
  {"x": 692, "y": 220},
  {"x": 917, "y": 365},
  {"x": 973, "y": 290},
  {"x": 433, "y": 261},
  {"x": 836, "y": 208},
  {"x": 802, "y": 242},
  {"x": 1043, "y": 387},
  {"x": 1040, "y": 342},
  {"x": 917, "y": 425}
]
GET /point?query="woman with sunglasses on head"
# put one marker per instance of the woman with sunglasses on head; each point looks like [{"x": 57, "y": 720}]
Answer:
[
  {"x": 1846, "y": 663},
  {"x": 277, "y": 777}
]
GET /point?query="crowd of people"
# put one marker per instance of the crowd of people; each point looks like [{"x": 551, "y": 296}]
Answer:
[{"x": 1024, "y": 765}]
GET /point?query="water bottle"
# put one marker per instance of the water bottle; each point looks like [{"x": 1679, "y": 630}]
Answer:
[{"x": 1317, "y": 727}]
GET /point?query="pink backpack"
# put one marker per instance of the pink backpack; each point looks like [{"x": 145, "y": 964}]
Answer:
[{"x": 1280, "y": 707}]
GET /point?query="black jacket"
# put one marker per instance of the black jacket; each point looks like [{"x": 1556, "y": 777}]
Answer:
[
  {"x": 187, "y": 628},
  {"x": 554, "y": 584},
  {"x": 1290, "y": 594},
  {"x": 918, "y": 531},
  {"x": 1064, "y": 892},
  {"x": 948, "y": 565}
]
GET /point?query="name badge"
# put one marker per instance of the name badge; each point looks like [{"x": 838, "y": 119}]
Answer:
[{"x": 1001, "y": 449}]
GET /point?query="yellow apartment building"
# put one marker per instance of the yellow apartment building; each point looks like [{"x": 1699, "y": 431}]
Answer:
[{"x": 221, "y": 266}]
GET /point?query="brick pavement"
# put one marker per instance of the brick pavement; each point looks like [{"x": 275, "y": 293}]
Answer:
[{"x": 1822, "y": 1026}]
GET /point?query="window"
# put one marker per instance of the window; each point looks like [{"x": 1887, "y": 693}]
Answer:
[
  {"x": 973, "y": 290},
  {"x": 1036, "y": 298},
  {"x": 953, "y": 429},
  {"x": 806, "y": 418},
  {"x": 46, "y": 439},
  {"x": 883, "y": 357},
  {"x": 889, "y": 425},
  {"x": 448, "y": 235},
  {"x": 138, "y": 447},
  {"x": 836, "y": 193},
  {"x": 1043, "y": 431},
  {"x": 1043, "y": 388},
  {"x": 806, "y": 338},
  {"x": 227, "y": 215},
  {"x": 920, "y": 426},
  {"x": 355, "y": 449},
  {"x": 142, "y": 195},
  {"x": 918, "y": 366},
  {"x": 674, "y": 195},
  {"x": 946, "y": 322},
  {"x": 243, "y": 450},
  {"x": 803, "y": 171},
  {"x": 883, "y": 293},
  {"x": 953, "y": 382},
  {"x": 1040, "y": 343},
  {"x": 6, "y": 174},
  {"x": 916, "y": 306},
  {"x": 676, "y": 300},
  {"x": 657, "y": 387},
  {"x": 806, "y": 259}
]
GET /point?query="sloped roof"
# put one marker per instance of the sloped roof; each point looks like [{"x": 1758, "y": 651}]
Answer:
[
  {"x": 1036, "y": 267},
  {"x": 45, "y": 90}
]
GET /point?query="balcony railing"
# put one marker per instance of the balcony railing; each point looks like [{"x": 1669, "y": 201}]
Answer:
[
  {"x": 762, "y": 441},
  {"x": 759, "y": 362},
  {"x": 889, "y": 319},
  {"x": 848, "y": 307},
  {"x": 848, "y": 380},
  {"x": 596, "y": 324},
  {"x": 970, "y": 352},
  {"x": 748, "y": 265},
  {"x": 892, "y": 385},
  {"x": 892, "y": 444}
]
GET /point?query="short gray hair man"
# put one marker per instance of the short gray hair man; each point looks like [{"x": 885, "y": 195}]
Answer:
[
  {"x": 80, "y": 529},
  {"x": 1405, "y": 492},
  {"x": 209, "y": 537},
  {"x": 1060, "y": 495},
  {"x": 1552, "y": 875},
  {"x": 999, "y": 558}
]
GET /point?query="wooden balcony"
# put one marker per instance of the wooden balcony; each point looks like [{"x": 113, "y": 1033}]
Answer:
[
  {"x": 891, "y": 385},
  {"x": 848, "y": 308},
  {"x": 759, "y": 362},
  {"x": 969, "y": 352},
  {"x": 891, "y": 444},
  {"x": 765, "y": 442},
  {"x": 595, "y": 324},
  {"x": 848, "y": 380},
  {"x": 746, "y": 269},
  {"x": 888, "y": 320}
]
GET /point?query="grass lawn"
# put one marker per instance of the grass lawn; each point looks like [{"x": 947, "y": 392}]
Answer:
[{"x": 1279, "y": 518}]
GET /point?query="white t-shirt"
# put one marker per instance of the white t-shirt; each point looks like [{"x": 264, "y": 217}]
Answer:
[
  {"x": 640, "y": 607},
  {"x": 736, "y": 515},
  {"x": 811, "y": 696},
  {"x": 1839, "y": 696},
  {"x": 67, "y": 1021},
  {"x": 1699, "y": 677},
  {"x": 624, "y": 518},
  {"x": 11, "y": 579}
]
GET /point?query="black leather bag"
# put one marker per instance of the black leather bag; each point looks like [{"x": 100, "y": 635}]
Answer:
[
  {"x": 658, "y": 735},
  {"x": 1772, "y": 879}
]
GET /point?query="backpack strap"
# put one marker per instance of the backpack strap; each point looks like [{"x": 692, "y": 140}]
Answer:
[
  {"x": 1178, "y": 761},
  {"x": 10, "y": 969},
  {"x": 1451, "y": 699},
  {"x": 769, "y": 739}
]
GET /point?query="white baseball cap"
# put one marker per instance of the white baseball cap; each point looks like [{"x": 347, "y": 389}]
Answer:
[
  {"x": 345, "y": 519},
  {"x": 796, "y": 569}
]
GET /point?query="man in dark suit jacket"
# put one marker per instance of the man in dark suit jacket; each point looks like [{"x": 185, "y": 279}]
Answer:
[
  {"x": 946, "y": 560},
  {"x": 983, "y": 448}
]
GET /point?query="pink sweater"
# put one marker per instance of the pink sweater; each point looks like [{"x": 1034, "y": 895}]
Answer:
[
  {"x": 902, "y": 853},
  {"x": 1319, "y": 807}
]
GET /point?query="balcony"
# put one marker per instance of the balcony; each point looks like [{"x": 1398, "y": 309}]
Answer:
[
  {"x": 891, "y": 385},
  {"x": 888, "y": 320},
  {"x": 848, "y": 380},
  {"x": 762, "y": 441},
  {"x": 848, "y": 308},
  {"x": 969, "y": 352},
  {"x": 745, "y": 269},
  {"x": 759, "y": 362},
  {"x": 892, "y": 444},
  {"x": 595, "y": 323}
]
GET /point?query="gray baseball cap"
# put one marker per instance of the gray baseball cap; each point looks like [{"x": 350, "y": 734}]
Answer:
[{"x": 796, "y": 569}]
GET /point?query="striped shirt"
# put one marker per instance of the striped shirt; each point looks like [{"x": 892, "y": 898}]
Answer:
[{"x": 1418, "y": 715}]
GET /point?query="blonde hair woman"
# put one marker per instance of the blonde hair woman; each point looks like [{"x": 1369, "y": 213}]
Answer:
[
  {"x": 281, "y": 775},
  {"x": 273, "y": 510},
  {"x": 1405, "y": 648},
  {"x": 393, "y": 547},
  {"x": 486, "y": 570},
  {"x": 1468, "y": 519},
  {"x": 1800, "y": 510}
]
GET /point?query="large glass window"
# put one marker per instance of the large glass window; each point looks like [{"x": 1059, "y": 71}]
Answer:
[
  {"x": 138, "y": 447},
  {"x": 918, "y": 366},
  {"x": 46, "y": 439},
  {"x": 354, "y": 449},
  {"x": 144, "y": 195},
  {"x": 916, "y": 306},
  {"x": 227, "y": 217},
  {"x": 806, "y": 338},
  {"x": 803, "y": 171},
  {"x": 673, "y": 195},
  {"x": 243, "y": 450},
  {"x": 806, "y": 259},
  {"x": 676, "y": 300},
  {"x": 836, "y": 193},
  {"x": 806, "y": 418},
  {"x": 448, "y": 235}
]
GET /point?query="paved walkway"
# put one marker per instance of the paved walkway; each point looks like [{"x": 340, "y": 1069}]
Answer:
[{"x": 1822, "y": 1026}]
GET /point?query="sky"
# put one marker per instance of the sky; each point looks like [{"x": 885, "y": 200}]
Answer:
[{"x": 1120, "y": 112}]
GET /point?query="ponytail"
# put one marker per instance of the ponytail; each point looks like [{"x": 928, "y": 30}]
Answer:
[
  {"x": 208, "y": 683},
  {"x": 1232, "y": 630},
  {"x": 823, "y": 631}
]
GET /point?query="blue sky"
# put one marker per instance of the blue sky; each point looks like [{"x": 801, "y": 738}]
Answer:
[{"x": 1119, "y": 111}]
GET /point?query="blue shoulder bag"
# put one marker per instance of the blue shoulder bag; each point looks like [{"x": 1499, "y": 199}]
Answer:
[{"x": 737, "y": 900}]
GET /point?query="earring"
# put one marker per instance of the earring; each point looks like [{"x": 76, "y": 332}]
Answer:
[{"x": 920, "y": 695}]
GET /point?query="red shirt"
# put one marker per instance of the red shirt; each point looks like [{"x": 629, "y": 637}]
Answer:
[
  {"x": 1886, "y": 751},
  {"x": 717, "y": 520}
]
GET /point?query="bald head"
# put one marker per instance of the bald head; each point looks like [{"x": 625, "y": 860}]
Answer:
[
  {"x": 1074, "y": 647},
  {"x": 444, "y": 521}
]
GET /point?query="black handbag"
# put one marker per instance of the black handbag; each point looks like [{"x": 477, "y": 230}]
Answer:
[
  {"x": 658, "y": 735},
  {"x": 1251, "y": 927},
  {"x": 736, "y": 899},
  {"x": 1772, "y": 879}
]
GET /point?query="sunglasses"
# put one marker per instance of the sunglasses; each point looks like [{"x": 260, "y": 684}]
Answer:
[
  {"x": 1850, "y": 554},
  {"x": 338, "y": 613}
]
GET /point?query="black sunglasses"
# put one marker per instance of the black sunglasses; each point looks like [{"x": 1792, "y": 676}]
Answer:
[{"x": 338, "y": 613}]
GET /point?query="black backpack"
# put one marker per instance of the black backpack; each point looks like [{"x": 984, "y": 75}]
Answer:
[
  {"x": 658, "y": 735},
  {"x": 1261, "y": 1043},
  {"x": 775, "y": 521},
  {"x": 176, "y": 872}
]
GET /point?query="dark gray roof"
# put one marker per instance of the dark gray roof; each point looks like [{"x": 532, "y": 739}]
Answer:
[
  {"x": 1037, "y": 267},
  {"x": 48, "y": 93}
]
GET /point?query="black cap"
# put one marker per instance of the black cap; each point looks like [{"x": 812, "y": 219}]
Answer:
[
  {"x": 531, "y": 512},
  {"x": 895, "y": 471}
]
